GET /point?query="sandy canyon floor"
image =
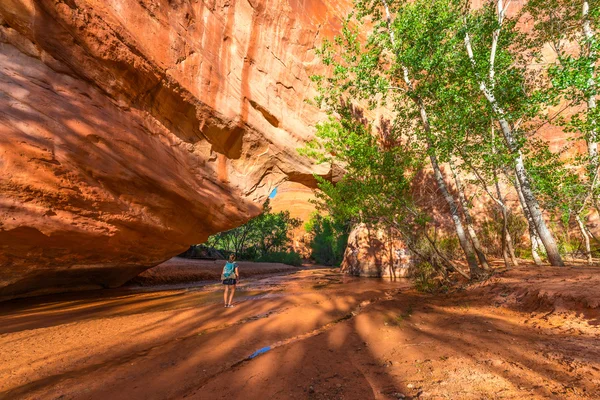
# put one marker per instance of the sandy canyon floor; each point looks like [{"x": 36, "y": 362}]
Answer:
[{"x": 529, "y": 333}]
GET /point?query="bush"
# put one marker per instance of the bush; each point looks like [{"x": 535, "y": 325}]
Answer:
[
  {"x": 329, "y": 240},
  {"x": 570, "y": 246},
  {"x": 284, "y": 257},
  {"x": 427, "y": 279},
  {"x": 450, "y": 247}
]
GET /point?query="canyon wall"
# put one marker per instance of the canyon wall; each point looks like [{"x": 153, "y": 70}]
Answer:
[
  {"x": 297, "y": 199},
  {"x": 130, "y": 129}
]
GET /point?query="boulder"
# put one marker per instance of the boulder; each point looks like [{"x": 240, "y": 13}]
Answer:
[{"x": 372, "y": 252}]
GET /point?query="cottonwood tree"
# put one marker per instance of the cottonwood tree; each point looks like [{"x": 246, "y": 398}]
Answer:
[
  {"x": 398, "y": 67},
  {"x": 471, "y": 148},
  {"x": 486, "y": 46},
  {"x": 263, "y": 234},
  {"x": 569, "y": 28},
  {"x": 376, "y": 186},
  {"x": 328, "y": 238}
]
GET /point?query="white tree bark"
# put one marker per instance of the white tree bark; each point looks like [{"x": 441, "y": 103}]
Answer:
[
  {"x": 509, "y": 136},
  {"x": 533, "y": 236},
  {"x": 507, "y": 238},
  {"x": 586, "y": 239},
  {"x": 460, "y": 232}
]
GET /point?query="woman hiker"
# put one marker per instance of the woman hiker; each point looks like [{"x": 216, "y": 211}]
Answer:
[{"x": 229, "y": 277}]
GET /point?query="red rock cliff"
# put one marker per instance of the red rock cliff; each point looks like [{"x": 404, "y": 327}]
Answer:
[{"x": 132, "y": 128}]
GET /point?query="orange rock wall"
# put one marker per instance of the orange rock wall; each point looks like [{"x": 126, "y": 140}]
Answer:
[
  {"x": 297, "y": 199},
  {"x": 132, "y": 128}
]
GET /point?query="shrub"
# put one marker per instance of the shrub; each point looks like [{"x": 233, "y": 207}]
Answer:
[
  {"x": 329, "y": 239},
  {"x": 427, "y": 279},
  {"x": 450, "y": 246},
  {"x": 284, "y": 257},
  {"x": 491, "y": 233}
]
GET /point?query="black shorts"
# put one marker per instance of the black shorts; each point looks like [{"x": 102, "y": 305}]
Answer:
[{"x": 229, "y": 281}]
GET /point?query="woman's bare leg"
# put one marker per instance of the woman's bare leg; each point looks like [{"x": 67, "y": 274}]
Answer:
[
  {"x": 226, "y": 294},
  {"x": 231, "y": 293}
]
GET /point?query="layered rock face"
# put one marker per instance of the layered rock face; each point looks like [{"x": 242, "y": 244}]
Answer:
[{"x": 132, "y": 128}]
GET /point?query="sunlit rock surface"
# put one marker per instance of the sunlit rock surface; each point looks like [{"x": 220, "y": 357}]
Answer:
[
  {"x": 298, "y": 200},
  {"x": 130, "y": 129}
]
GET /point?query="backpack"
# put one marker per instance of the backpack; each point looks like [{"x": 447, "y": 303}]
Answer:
[{"x": 229, "y": 271}]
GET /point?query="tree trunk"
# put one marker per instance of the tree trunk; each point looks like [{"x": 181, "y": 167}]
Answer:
[
  {"x": 535, "y": 242},
  {"x": 586, "y": 239},
  {"x": 535, "y": 249},
  {"x": 511, "y": 248},
  {"x": 507, "y": 238},
  {"x": 507, "y": 246},
  {"x": 469, "y": 219},
  {"x": 528, "y": 195},
  {"x": 505, "y": 255},
  {"x": 460, "y": 231},
  {"x": 592, "y": 140}
]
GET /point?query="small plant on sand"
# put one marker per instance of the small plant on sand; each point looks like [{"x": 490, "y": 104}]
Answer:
[
  {"x": 407, "y": 313},
  {"x": 399, "y": 319},
  {"x": 427, "y": 279}
]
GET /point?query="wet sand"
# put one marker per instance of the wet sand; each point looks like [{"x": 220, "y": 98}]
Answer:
[
  {"x": 525, "y": 334},
  {"x": 184, "y": 270}
]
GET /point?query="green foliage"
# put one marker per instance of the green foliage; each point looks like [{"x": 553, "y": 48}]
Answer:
[
  {"x": 259, "y": 237},
  {"x": 450, "y": 247},
  {"x": 572, "y": 82},
  {"x": 427, "y": 279},
  {"x": 329, "y": 239},
  {"x": 284, "y": 257},
  {"x": 559, "y": 188},
  {"x": 411, "y": 60}
]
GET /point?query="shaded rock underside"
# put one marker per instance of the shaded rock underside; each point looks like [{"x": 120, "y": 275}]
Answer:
[{"x": 130, "y": 129}]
